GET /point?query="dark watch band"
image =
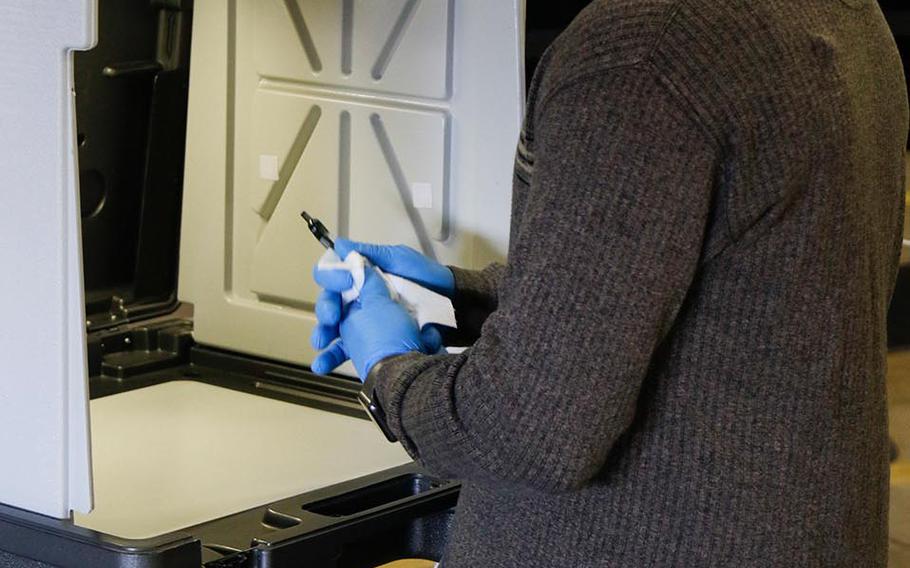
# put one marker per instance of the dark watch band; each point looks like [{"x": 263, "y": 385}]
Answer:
[{"x": 370, "y": 402}]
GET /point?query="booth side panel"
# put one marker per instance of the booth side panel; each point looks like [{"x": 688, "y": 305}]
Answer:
[{"x": 43, "y": 403}]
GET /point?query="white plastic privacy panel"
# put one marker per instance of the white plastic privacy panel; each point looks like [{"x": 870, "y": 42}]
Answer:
[
  {"x": 393, "y": 121},
  {"x": 44, "y": 437}
]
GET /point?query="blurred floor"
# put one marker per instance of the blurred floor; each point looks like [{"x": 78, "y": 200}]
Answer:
[
  {"x": 905, "y": 256},
  {"x": 899, "y": 423},
  {"x": 899, "y": 419}
]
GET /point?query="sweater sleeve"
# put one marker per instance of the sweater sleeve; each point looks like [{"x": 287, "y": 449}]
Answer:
[
  {"x": 607, "y": 246},
  {"x": 476, "y": 297}
]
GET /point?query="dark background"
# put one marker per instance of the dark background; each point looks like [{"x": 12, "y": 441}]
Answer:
[
  {"x": 131, "y": 102},
  {"x": 547, "y": 18}
]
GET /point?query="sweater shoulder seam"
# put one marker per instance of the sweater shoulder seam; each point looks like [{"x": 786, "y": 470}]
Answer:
[
  {"x": 581, "y": 76},
  {"x": 645, "y": 66},
  {"x": 646, "y": 63}
]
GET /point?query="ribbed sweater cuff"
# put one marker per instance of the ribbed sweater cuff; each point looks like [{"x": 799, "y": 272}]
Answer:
[
  {"x": 476, "y": 296},
  {"x": 472, "y": 283},
  {"x": 410, "y": 397},
  {"x": 393, "y": 379}
]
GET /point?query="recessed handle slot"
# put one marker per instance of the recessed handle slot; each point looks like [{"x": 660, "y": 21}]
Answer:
[
  {"x": 396, "y": 489},
  {"x": 222, "y": 549},
  {"x": 278, "y": 521}
]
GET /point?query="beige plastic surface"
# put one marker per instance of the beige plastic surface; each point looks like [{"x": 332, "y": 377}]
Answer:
[
  {"x": 181, "y": 453},
  {"x": 43, "y": 373},
  {"x": 393, "y": 121}
]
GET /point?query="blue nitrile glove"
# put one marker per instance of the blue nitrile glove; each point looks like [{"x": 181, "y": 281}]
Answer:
[
  {"x": 373, "y": 328},
  {"x": 398, "y": 260},
  {"x": 328, "y": 316}
]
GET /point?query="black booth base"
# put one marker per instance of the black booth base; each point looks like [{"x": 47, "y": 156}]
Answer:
[{"x": 8, "y": 560}]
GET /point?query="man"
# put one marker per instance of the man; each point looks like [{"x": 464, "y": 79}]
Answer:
[{"x": 683, "y": 362}]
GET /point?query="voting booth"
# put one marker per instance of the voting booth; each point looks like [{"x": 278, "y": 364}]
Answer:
[{"x": 157, "y": 154}]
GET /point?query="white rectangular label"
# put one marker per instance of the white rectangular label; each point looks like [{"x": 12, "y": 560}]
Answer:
[
  {"x": 422, "y": 195},
  {"x": 268, "y": 167}
]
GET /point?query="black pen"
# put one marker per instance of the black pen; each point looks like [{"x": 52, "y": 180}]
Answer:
[{"x": 319, "y": 231}]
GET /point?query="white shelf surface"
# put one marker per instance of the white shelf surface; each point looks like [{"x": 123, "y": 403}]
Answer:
[{"x": 181, "y": 453}]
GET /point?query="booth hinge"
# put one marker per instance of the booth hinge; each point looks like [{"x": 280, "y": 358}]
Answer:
[
  {"x": 118, "y": 311},
  {"x": 173, "y": 42}
]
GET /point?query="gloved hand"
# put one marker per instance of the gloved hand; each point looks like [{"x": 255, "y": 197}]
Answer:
[
  {"x": 373, "y": 328},
  {"x": 398, "y": 260}
]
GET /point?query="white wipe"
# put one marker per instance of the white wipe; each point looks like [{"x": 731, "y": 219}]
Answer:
[{"x": 424, "y": 305}]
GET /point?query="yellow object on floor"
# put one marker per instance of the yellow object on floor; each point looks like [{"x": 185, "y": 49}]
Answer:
[{"x": 410, "y": 564}]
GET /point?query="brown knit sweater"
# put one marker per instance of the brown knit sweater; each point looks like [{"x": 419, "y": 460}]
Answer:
[{"x": 683, "y": 362}]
